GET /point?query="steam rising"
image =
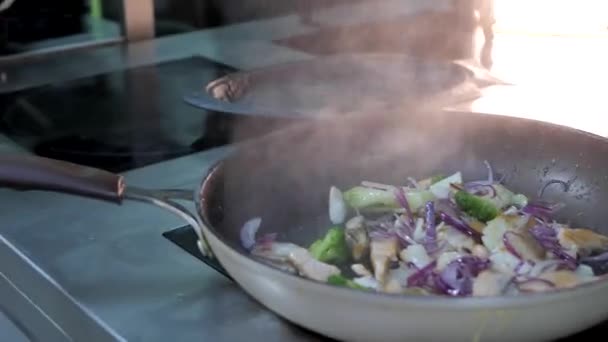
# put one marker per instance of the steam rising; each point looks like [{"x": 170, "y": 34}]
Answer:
[
  {"x": 292, "y": 170},
  {"x": 285, "y": 177},
  {"x": 406, "y": 52},
  {"x": 371, "y": 113},
  {"x": 335, "y": 85}
]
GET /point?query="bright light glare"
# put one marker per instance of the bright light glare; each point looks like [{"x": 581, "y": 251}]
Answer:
[
  {"x": 556, "y": 53},
  {"x": 552, "y": 17}
]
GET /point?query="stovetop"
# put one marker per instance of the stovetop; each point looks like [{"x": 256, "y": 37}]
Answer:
[{"x": 122, "y": 120}]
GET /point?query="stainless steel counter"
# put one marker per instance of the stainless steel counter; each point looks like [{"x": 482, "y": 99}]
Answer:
[
  {"x": 9, "y": 331},
  {"x": 101, "y": 272}
]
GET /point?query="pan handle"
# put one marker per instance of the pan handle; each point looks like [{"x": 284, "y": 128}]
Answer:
[
  {"x": 26, "y": 172},
  {"x": 167, "y": 200}
]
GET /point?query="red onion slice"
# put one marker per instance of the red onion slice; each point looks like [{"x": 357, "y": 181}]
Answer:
[
  {"x": 460, "y": 226},
  {"x": 266, "y": 240},
  {"x": 413, "y": 183},
  {"x": 454, "y": 283},
  {"x": 490, "y": 172},
  {"x": 513, "y": 243},
  {"x": 490, "y": 178},
  {"x": 404, "y": 234},
  {"x": 547, "y": 238},
  {"x": 379, "y": 234},
  {"x": 542, "y": 210},
  {"x": 402, "y": 199},
  {"x": 431, "y": 227},
  {"x": 447, "y": 206},
  {"x": 456, "y": 279},
  {"x": 518, "y": 268},
  {"x": 422, "y": 276},
  {"x": 477, "y": 188},
  {"x": 248, "y": 232}
]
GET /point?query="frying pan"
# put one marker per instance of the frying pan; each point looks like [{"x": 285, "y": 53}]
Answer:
[
  {"x": 284, "y": 178},
  {"x": 340, "y": 83}
]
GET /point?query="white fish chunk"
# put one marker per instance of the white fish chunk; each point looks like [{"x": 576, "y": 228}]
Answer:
[
  {"x": 311, "y": 268},
  {"x": 481, "y": 251},
  {"x": 392, "y": 286},
  {"x": 368, "y": 282},
  {"x": 518, "y": 223},
  {"x": 540, "y": 267},
  {"x": 524, "y": 268},
  {"x": 493, "y": 233},
  {"x": 442, "y": 231},
  {"x": 504, "y": 262},
  {"x": 441, "y": 189},
  {"x": 396, "y": 279},
  {"x": 561, "y": 279},
  {"x": 299, "y": 258},
  {"x": 360, "y": 270},
  {"x": 457, "y": 240},
  {"x": 585, "y": 273},
  {"x": 580, "y": 240},
  {"x": 524, "y": 244},
  {"x": 356, "y": 237},
  {"x": 415, "y": 254},
  {"x": 382, "y": 252},
  {"x": 535, "y": 285},
  {"x": 490, "y": 283},
  {"x": 419, "y": 232},
  {"x": 400, "y": 274}
]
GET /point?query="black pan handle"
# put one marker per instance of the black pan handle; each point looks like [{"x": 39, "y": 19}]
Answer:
[{"x": 26, "y": 172}]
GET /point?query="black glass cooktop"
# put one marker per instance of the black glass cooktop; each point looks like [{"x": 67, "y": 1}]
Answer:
[
  {"x": 186, "y": 238},
  {"x": 125, "y": 119}
]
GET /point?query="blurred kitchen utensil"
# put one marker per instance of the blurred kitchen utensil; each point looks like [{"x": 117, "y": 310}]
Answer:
[{"x": 344, "y": 83}]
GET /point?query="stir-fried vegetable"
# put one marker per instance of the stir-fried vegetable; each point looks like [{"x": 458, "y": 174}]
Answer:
[
  {"x": 436, "y": 178},
  {"x": 337, "y": 207},
  {"x": 440, "y": 236},
  {"x": 361, "y": 197},
  {"x": 331, "y": 248},
  {"x": 441, "y": 189},
  {"x": 475, "y": 206}
]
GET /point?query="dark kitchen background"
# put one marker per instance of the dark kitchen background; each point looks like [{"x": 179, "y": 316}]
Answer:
[
  {"x": 29, "y": 25},
  {"x": 130, "y": 127},
  {"x": 525, "y": 46}
]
